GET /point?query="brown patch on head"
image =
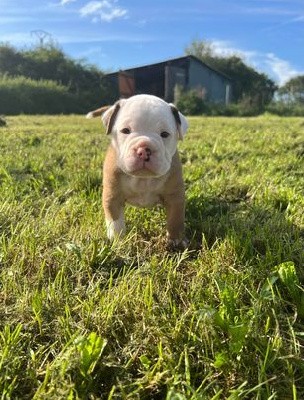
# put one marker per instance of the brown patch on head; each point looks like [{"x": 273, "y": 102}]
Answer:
[
  {"x": 110, "y": 119},
  {"x": 177, "y": 119},
  {"x": 176, "y": 114}
]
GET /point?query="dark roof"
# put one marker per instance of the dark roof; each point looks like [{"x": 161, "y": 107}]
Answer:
[{"x": 172, "y": 60}]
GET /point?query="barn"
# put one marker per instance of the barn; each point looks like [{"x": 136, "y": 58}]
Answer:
[{"x": 161, "y": 79}]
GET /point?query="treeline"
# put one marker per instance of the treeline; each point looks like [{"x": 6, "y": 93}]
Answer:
[
  {"x": 253, "y": 92},
  {"x": 24, "y": 95},
  {"x": 45, "y": 80}
]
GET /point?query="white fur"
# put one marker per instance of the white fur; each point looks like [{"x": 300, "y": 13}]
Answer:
[
  {"x": 147, "y": 117},
  {"x": 143, "y": 192},
  {"x": 145, "y": 177},
  {"x": 116, "y": 228},
  {"x": 90, "y": 115}
]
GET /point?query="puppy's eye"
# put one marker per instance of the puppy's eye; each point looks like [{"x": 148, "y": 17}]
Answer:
[
  {"x": 165, "y": 134},
  {"x": 126, "y": 131}
]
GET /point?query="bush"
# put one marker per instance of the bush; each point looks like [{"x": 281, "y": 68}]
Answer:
[
  {"x": 189, "y": 103},
  {"x": 217, "y": 110},
  {"x": 286, "y": 110},
  {"x": 24, "y": 95},
  {"x": 249, "y": 107},
  {"x": 245, "y": 108},
  {"x": 48, "y": 63}
]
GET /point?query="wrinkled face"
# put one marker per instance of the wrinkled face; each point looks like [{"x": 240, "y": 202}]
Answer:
[{"x": 145, "y": 130}]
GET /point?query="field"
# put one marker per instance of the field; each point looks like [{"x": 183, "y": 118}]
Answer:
[{"x": 84, "y": 319}]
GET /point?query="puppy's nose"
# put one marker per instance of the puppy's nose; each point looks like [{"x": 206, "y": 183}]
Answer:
[{"x": 144, "y": 153}]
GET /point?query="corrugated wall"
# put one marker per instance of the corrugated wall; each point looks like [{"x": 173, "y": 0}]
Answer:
[
  {"x": 188, "y": 72},
  {"x": 212, "y": 85}
]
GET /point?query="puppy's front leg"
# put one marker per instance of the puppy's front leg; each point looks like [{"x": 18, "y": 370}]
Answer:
[
  {"x": 112, "y": 198},
  {"x": 175, "y": 209},
  {"x": 114, "y": 215}
]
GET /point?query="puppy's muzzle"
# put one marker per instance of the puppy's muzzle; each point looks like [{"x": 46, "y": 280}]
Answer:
[
  {"x": 144, "y": 156},
  {"x": 144, "y": 153}
]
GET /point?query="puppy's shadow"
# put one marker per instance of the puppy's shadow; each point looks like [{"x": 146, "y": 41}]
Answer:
[{"x": 257, "y": 231}]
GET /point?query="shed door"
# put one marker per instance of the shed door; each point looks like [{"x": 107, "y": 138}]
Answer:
[
  {"x": 126, "y": 85},
  {"x": 173, "y": 76}
]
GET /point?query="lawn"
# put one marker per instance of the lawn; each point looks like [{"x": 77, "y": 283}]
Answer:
[{"x": 85, "y": 319}]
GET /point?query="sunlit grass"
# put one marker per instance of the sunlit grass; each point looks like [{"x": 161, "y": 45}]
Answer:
[{"x": 82, "y": 318}]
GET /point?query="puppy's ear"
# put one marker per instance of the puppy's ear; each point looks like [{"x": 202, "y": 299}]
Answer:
[
  {"x": 108, "y": 118},
  {"x": 98, "y": 112},
  {"x": 181, "y": 122}
]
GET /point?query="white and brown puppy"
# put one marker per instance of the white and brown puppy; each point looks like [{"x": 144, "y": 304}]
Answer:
[{"x": 142, "y": 165}]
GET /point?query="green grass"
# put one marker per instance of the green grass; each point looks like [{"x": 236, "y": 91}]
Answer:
[{"x": 83, "y": 319}]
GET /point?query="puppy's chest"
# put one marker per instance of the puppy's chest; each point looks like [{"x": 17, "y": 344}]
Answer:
[{"x": 143, "y": 192}]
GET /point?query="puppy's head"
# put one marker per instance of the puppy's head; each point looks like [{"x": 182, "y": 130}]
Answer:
[{"x": 145, "y": 131}]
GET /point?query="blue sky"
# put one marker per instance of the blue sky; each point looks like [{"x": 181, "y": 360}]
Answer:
[{"x": 118, "y": 34}]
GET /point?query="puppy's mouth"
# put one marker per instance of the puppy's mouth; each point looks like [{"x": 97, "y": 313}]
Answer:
[
  {"x": 144, "y": 159},
  {"x": 143, "y": 169}
]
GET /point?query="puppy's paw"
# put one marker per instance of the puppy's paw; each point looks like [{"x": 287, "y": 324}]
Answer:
[
  {"x": 115, "y": 229},
  {"x": 177, "y": 244}
]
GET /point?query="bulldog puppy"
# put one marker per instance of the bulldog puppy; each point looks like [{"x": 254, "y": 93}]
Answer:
[{"x": 142, "y": 165}]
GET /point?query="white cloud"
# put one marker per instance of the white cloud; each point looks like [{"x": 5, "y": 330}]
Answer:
[
  {"x": 92, "y": 7},
  {"x": 64, "y": 2},
  {"x": 16, "y": 38},
  {"x": 227, "y": 49},
  {"x": 299, "y": 18},
  {"x": 103, "y": 38},
  {"x": 269, "y": 11},
  {"x": 282, "y": 69},
  {"x": 141, "y": 23},
  {"x": 276, "y": 68},
  {"x": 16, "y": 20},
  {"x": 105, "y": 10},
  {"x": 92, "y": 51}
]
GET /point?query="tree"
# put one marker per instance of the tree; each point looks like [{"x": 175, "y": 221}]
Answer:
[
  {"x": 49, "y": 62},
  {"x": 248, "y": 84},
  {"x": 293, "y": 90},
  {"x": 202, "y": 49},
  {"x": 10, "y": 60}
]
